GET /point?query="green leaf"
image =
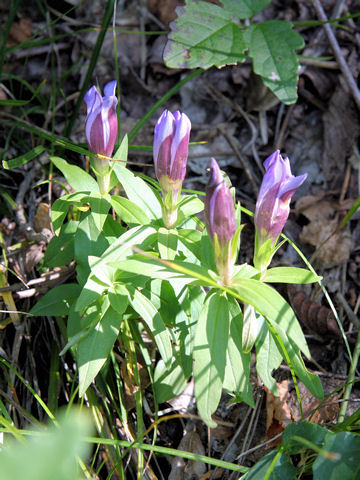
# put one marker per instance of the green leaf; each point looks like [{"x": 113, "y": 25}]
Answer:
[
  {"x": 190, "y": 205},
  {"x": 138, "y": 192},
  {"x": 118, "y": 297},
  {"x": 191, "y": 239},
  {"x": 59, "y": 211},
  {"x": 51, "y": 453},
  {"x": 61, "y": 207},
  {"x": 60, "y": 250},
  {"x": 283, "y": 469},
  {"x": 144, "y": 307},
  {"x": 345, "y": 464},
  {"x": 122, "y": 152},
  {"x": 88, "y": 241},
  {"x": 94, "y": 349},
  {"x": 57, "y": 301},
  {"x": 273, "y": 307},
  {"x": 237, "y": 369},
  {"x": 75, "y": 176},
  {"x": 268, "y": 358},
  {"x": 168, "y": 383},
  {"x": 272, "y": 46},
  {"x": 23, "y": 159},
  {"x": 290, "y": 275},
  {"x": 210, "y": 345},
  {"x": 167, "y": 243},
  {"x": 203, "y": 35},
  {"x": 100, "y": 206},
  {"x": 93, "y": 289},
  {"x": 128, "y": 211},
  {"x": 307, "y": 430},
  {"x": 293, "y": 357},
  {"x": 122, "y": 246},
  {"x": 245, "y": 8}
]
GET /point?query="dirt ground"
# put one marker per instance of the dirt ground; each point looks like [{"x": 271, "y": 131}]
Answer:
[{"x": 237, "y": 121}]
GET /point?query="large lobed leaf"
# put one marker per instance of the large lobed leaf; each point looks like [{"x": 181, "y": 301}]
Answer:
[
  {"x": 272, "y": 46},
  {"x": 202, "y": 36}
]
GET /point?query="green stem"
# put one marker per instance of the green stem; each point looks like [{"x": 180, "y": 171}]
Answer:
[
  {"x": 350, "y": 379},
  {"x": 273, "y": 464},
  {"x": 138, "y": 395}
]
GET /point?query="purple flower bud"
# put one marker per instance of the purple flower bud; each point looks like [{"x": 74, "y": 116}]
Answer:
[
  {"x": 273, "y": 203},
  {"x": 219, "y": 207},
  {"x": 101, "y": 123},
  {"x": 171, "y": 146}
]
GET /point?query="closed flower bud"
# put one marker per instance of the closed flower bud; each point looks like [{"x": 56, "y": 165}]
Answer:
[
  {"x": 101, "y": 123},
  {"x": 171, "y": 147},
  {"x": 220, "y": 220},
  {"x": 273, "y": 203}
]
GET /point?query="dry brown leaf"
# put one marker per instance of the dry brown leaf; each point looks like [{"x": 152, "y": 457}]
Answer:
[
  {"x": 341, "y": 130},
  {"x": 336, "y": 250},
  {"x": 19, "y": 32},
  {"x": 42, "y": 218},
  {"x": 210, "y": 474},
  {"x": 221, "y": 432},
  {"x": 278, "y": 413},
  {"x": 182, "y": 469},
  {"x": 130, "y": 387},
  {"x": 320, "y": 212},
  {"x": 164, "y": 9}
]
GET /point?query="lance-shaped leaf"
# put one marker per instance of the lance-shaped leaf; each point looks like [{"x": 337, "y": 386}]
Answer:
[{"x": 210, "y": 345}]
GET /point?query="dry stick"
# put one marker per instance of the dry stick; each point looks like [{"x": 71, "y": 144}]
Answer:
[
  {"x": 243, "y": 162},
  {"x": 251, "y": 427},
  {"x": 337, "y": 52},
  {"x": 234, "y": 437},
  {"x": 254, "y": 131}
]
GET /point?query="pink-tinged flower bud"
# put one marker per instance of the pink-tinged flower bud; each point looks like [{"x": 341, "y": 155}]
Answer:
[
  {"x": 273, "y": 203},
  {"x": 219, "y": 207},
  {"x": 220, "y": 220},
  {"x": 101, "y": 123},
  {"x": 171, "y": 147}
]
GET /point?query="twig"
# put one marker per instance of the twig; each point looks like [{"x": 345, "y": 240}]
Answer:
[
  {"x": 337, "y": 52},
  {"x": 234, "y": 437},
  {"x": 351, "y": 315},
  {"x": 243, "y": 162},
  {"x": 236, "y": 107}
]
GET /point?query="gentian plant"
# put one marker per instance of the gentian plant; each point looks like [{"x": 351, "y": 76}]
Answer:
[
  {"x": 221, "y": 222},
  {"x": 179, "y": 284},
  {"x": 101, "y": 129},
  {"x": 171, "y": 147},
  {"x": 273, "y": 206}
]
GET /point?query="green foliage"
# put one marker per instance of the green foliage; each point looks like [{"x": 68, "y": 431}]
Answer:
[
  {"x": 51, "y": 453},
  {"x": 272, "y": 48},
  {"x": 204, "y": 35},
  {"x": 337, "y": 454}
]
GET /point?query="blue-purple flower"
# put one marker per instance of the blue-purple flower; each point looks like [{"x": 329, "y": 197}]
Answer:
[
  {"x": 273, "y": 203},
  {"x": 220, "y": 221},
  {"x": 219, "y": 207},
  {"x": 171, "y": 147},
  {"x": 101, "y": 123}
]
